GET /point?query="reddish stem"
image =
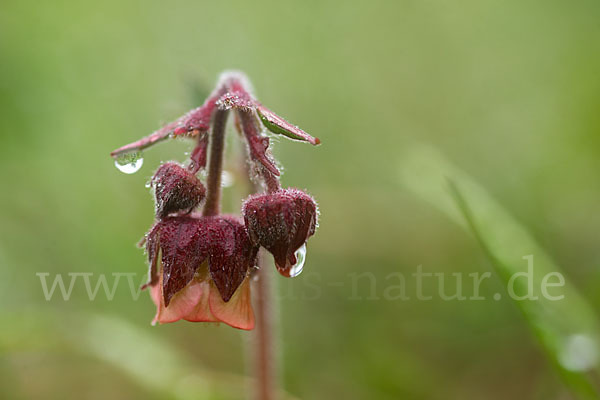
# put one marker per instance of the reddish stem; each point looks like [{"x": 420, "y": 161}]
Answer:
[
  {"x": 215, "y": 163},
  {"x": 265, "y": 366},
  {"x": 271, "y": 181}
]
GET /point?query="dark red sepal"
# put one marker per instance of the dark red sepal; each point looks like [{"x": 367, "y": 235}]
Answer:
[
  {"x": 199, "y": 155},
  {"x": 232, "y": 253},
  {"x": 152, "y": 251},
  {"x": 184, "y": 248},
  {"x": 281, "y": 222},
  {"x": 258, "y": 145}
]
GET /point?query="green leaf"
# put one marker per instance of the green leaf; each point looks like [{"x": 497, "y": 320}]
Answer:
[
  {"x": 567, "y": 329},
  {"x": 280, "y": 126}
]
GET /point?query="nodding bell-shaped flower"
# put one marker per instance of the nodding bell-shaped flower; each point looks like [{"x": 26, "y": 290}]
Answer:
[
  {"x": 281, "y": 222},
  {"x": 200, "y": 263},
  {"x": 176, "y": 189},
  {"x": 199, "y": 270}
]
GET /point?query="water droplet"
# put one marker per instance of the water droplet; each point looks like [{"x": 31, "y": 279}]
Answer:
[
  {"x": 226, "y": 179},
  {"x": 300, "y": 258},
  {"x": 129, "y": 163},
  {"x": 580, "y": 353}
]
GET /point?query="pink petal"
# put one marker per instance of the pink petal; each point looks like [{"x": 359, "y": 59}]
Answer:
[
  {"x": 237, "y": 312},
  {"x": 155, "y": 294},
  {"x": 182, "y": 304},
  {"x": 201, "y": 312}
]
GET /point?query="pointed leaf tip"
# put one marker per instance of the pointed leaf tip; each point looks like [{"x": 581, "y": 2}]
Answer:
[
  {"x": 278, "y": 125},
  {"x": 145, "y": 142}
]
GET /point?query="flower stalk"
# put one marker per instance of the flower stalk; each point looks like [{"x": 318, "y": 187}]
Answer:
[
  {"x": 215, "y": 164},
  {"x": 265, "y": 334},
  {"x": 200, "y": 264}
]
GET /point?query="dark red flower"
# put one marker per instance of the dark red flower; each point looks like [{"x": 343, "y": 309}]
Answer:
[
  {"x": 199, "y": 268},
  {"x": 199, "y": 264},
  {"x": 281, "y": 222},
  {"x": 176, "y": 189}
]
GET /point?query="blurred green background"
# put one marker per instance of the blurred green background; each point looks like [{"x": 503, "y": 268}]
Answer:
[{"x": 508, "y": 91}]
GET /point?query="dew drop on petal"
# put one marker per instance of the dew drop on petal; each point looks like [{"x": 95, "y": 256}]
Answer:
[
  {"x": 129, "y": 163},
  {"x": 300, "y": 254}
]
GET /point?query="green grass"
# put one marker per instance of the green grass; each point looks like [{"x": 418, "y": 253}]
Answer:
[{"x": 557, "y": 321}]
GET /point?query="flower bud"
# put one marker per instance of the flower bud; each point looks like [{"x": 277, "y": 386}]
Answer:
[
  {"x": 176, "y": 189},
  {"x": 281, "y": 222}
]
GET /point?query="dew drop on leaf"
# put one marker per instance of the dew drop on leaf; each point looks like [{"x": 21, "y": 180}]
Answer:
[
  {"x": 579, "y": 353},
  {"x": 300, "y": 254},
  {"x": 129, "y": 163}
]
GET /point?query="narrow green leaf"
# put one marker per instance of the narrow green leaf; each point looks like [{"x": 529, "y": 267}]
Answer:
[
  {"x": 567, "y": 329},
  {"x": 280, "y": 126}
]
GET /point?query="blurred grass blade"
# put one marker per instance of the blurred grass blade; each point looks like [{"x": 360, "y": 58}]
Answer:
[
  {"x": 139, "y": 353},
  {"x": 567, "y": 329},
  {"x": 147, "y": 360}
]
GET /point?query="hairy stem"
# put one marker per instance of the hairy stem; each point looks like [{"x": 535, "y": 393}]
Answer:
[
  {"x": 271, "y": 181},
  {"x": 215, "y": 164},
  {"x": 265, "y": 365},
  {"x": 258, "y": 146}
]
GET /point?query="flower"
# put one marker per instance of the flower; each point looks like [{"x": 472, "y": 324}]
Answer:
[
  {"x": 199, "y": 270},
  {"x": 200, "y": 263},
  {"x": 281, "y": 222},
  {"x": 176, "y": 189}
]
